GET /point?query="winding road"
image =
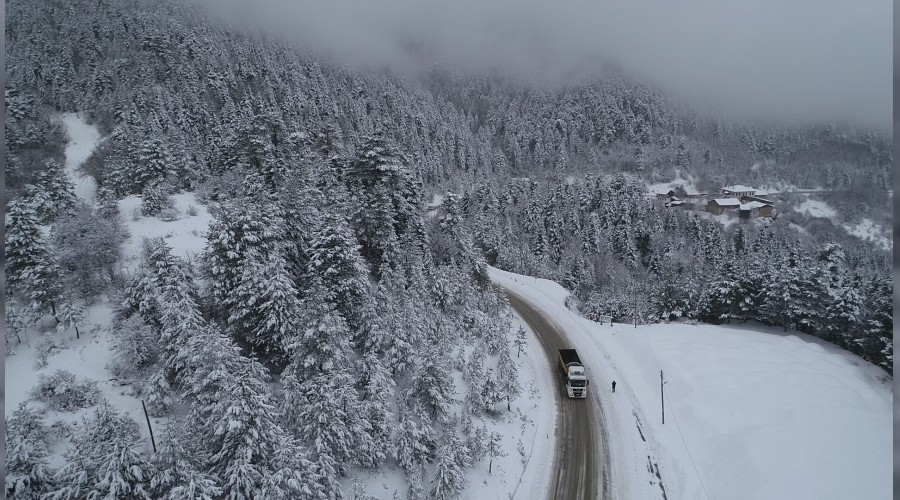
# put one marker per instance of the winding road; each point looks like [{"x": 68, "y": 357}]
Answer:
[{"x": 582, "y": 460}]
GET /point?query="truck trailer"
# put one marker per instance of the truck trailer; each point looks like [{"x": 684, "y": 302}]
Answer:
[{"x": 573, "y": 374}]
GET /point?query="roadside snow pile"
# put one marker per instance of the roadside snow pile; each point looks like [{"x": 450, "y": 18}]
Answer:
[
  {"x": 816, "y": 208},
  {"x": 751, "y": 412},
  {"x": 869, "y": 231},
  {"x": 185, "y": 234},
  {"x": 83, "y": 138}
]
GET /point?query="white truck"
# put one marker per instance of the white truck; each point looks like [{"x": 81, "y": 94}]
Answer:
[{"x": 573, "y": 374}]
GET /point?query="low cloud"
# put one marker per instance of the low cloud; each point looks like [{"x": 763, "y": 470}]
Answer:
[{"x": 796, "y": 60}]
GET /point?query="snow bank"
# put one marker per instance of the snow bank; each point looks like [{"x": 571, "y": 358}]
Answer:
[
  {"x": 750, "y": 412},
  {"x": 83, "y": 138}
]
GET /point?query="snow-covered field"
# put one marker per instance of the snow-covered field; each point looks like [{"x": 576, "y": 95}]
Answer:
[{"x": 751, "y": 412}]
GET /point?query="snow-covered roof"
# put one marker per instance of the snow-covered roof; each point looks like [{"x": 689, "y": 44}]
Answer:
[
  {"x": 753, "y": 204},
  {"x": 730, "y": 202},
  {"x": 738, "y": 188},
  {"x": 675, "y": 203}
]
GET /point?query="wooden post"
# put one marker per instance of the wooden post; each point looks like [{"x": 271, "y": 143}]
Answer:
[
  {"x": 152, "y": 440},
  {"x": 662, "y": 397}
]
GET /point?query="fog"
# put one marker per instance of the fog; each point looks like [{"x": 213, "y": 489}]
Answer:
[{"x": 794, "y": 60}]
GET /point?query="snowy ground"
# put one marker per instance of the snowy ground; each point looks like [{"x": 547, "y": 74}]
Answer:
[
  {"x": 751, "y": 412},
  {"x": 870, "y": 231},
  {"x": 816, "y": 208},
  {"x": 186, "y": 235},
  {"x": 866, "y": 229},
  {"x": 87, "y": 357},
  {"x": 83, "y": 138},
  {"x": 663, "y": 187}
]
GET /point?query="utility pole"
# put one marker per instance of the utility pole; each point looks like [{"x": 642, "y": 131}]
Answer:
[
  {"x": 152, "y": 440},
  {"x": 662, "y": 397},
  {"x": 635, "y": 307}
]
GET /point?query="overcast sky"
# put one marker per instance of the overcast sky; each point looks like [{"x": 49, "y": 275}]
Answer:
[{"x": 799, "y": 60}]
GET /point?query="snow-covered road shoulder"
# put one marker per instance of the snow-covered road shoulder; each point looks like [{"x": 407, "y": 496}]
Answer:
[{"x": 751, "y": 412}]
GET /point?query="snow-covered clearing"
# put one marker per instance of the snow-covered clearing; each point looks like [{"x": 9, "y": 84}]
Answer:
[
  {"x": 83, "y": 138},
  {"x": 816, "y": 208},
  {"x": 751, "y": 412},
  {"x": 663, "y": 187},
  {"x": 870, "y": 231},
  {"x": 866, "y": 229},
  {"x": 186, "y": 235},
  {"x": 86, "y": 357}
]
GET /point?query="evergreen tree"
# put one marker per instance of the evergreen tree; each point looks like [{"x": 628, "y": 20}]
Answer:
[
  {"x": 338, "y": 268},
  {"x": 453, "y": 459},
  {"x": 377, "y": 392},
  {"x": 101, "y": 461},
  {"x": 54, "y": 193},
  {"x": 432, "y": 385},
  {"x": 28, "y": 474}
]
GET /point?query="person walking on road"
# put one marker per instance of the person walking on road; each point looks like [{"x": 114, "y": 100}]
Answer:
[{"x": 614, "y": 386}]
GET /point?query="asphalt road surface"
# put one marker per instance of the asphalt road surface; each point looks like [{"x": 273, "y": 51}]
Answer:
[{"x": 582, "y": 462}]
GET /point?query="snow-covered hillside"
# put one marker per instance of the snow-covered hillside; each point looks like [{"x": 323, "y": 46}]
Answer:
[{"x": 751, "y": 412}]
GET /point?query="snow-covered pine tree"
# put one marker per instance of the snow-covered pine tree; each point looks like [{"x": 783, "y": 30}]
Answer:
[
  {"x": 413, "y": 442},
  {"x": 377, "y": 393},
  {"x": 156, "y": 200},
  {"x": 520, "y": 341},
  {"x": 338, "y": 268},
  {"x": 449, "y": 477},
  {"x": 94, "y": 456},
  {"x": 267, "y": 308},
  {"x": 25, "y": 246},
  {"x": 123, "y": 473},
  {"x": 179, "y": 465},
  {"x": 54, "y": 193},
  {"x": 28, "y": 473},
  {"x": 432, "y": 385}
]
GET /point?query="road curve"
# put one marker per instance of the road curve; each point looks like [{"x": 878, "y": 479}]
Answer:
[{"x": 581, "y": 462}]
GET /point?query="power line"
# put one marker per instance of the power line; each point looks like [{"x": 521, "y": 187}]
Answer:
[
  {"x": 678, "y": 427},
  {"x": 672, "y": 411}
]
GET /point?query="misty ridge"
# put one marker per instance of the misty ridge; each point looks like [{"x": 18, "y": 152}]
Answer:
[{"x": 799, "y": 62}]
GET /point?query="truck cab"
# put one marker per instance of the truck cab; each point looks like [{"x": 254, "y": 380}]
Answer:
[{"x": 573, "y": 373}]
